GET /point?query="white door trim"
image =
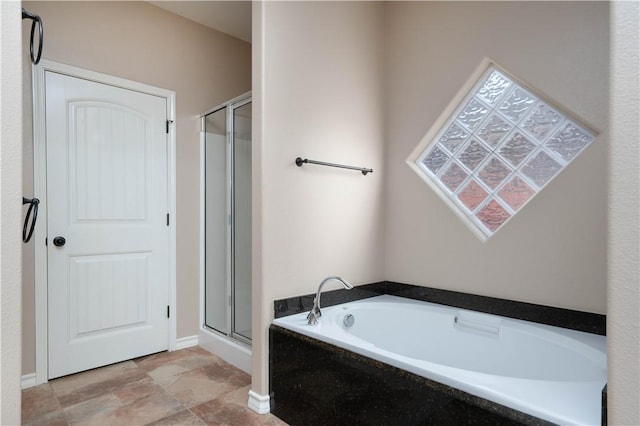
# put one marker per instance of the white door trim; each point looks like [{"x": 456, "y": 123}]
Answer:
[{"x": 40, "y": 185}]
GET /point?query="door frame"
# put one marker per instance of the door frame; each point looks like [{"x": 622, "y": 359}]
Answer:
[{"x": 40, "y": 186}]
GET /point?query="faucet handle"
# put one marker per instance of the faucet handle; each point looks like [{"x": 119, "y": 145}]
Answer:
[{"x": 314, "y": 314}]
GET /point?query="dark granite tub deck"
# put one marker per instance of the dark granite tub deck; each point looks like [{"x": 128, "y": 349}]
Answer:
[{"x": 312, "y": 382}]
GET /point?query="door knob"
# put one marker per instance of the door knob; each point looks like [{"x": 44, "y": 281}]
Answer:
[{"x": 59, "y": 241}]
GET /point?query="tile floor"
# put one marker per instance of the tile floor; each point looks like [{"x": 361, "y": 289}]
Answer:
[{"x": 186, "y": 387}]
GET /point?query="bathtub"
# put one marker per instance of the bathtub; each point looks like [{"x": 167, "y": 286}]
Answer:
[{"x": 551, "y": 373}]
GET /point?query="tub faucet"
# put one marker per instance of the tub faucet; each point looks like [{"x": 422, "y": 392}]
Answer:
[{"x": 315, "y": 313}]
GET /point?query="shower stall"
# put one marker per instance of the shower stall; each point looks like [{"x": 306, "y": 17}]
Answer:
[{"x": 226, "y": 246}]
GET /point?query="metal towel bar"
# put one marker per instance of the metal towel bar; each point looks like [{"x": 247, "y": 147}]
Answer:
[{"x": 300, "y": 162}]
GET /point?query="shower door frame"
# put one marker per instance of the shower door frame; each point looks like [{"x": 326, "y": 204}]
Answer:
[{"x": 230, "y": 107}]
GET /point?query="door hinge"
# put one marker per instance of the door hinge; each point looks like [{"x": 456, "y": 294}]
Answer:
[
  {"x": 46, "y": 241},
  {"x": 168, "y": 311},
  {"x": 168, "y": 123},
  {"x": 167, "y": 219}
]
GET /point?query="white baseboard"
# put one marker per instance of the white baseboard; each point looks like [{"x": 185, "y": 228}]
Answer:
[
  {"x": 28, "y": 380},
  {"x": 259, "y": 403},
  {"x": 186, "y": 342}
]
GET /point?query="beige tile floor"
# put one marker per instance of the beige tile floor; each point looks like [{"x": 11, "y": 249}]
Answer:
[{"x": 186, "y": 387}]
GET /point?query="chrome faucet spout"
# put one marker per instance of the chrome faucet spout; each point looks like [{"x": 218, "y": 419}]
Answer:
[{"x": 315, "y": 313}]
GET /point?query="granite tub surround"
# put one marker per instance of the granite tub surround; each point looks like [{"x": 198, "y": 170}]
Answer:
[
  {"x": 295, "y": 305},
  {"x": 565, "y": 318},
  {"x": 312, "y": 379},
  {"x": 312, "y": 382}
]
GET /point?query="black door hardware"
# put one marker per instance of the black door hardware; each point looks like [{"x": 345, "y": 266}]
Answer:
[{"x": 59, "y": 241}]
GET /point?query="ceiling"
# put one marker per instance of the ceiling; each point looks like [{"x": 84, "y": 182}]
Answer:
[{"x": 230, "y": 17}]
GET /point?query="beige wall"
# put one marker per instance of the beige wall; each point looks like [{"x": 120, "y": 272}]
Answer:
[
  {"x": 623, "y": 319},
  {"x": 553, "y": 252},
  {"x": 10, "y": 211},
  {"x": 317, "y": 94},
  {"x": 140, "y": 42}
]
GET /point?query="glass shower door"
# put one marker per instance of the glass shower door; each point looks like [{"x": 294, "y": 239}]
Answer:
[
  {"x": 217, "y": 232},
  {"x": 227, "y": 152},
  {"x": 242, "y": 220}
]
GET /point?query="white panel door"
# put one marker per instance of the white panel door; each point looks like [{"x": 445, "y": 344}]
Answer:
[{"x": 107, "y": 180}]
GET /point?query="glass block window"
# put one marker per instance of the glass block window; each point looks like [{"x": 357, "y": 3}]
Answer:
[{"x": 502, "y": 145}]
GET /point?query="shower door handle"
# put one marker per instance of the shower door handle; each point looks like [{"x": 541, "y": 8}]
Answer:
[{"x": 59, "y": 241}]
